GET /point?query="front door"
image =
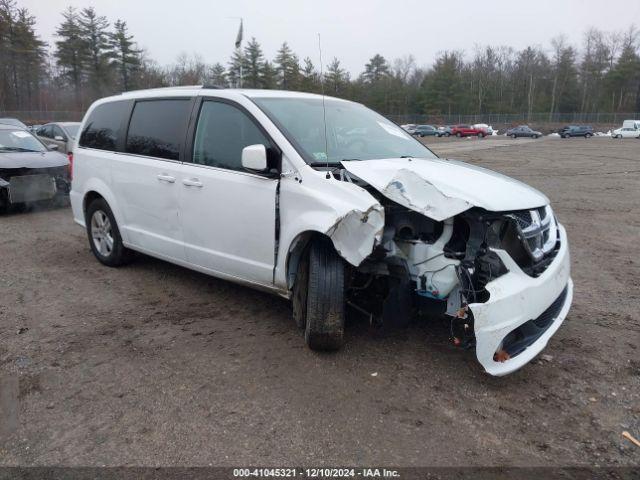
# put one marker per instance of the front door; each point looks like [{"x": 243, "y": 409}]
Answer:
[{"x": 228, "y": 214}]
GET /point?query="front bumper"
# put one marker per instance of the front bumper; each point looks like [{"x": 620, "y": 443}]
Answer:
[{"x": 515, "y": 299}]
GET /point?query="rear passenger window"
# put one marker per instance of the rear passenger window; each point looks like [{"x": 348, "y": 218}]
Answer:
[
  {"x": 223, "y": 131},
  {"x": 157, "y": 128},
  {"x": 103, "y": 126}
]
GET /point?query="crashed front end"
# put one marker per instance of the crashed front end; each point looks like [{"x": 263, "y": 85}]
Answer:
[
  {"x": 28, "y": 185},
  {"x": 501, "y": 277}
]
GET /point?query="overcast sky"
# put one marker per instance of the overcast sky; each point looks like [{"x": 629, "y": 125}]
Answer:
[{"x": 351, "y": 30}]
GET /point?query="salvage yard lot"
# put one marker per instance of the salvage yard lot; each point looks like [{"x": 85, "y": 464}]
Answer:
[{"x": 153, "y": 364}]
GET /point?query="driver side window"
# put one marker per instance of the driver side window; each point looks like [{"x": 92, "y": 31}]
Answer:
[{"x": 222, "y": 133}]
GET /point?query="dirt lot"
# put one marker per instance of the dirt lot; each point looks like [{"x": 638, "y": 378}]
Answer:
[{"x": 154, "y": 364}]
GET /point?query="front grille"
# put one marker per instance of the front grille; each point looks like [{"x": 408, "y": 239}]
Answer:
[
  {"x": 526, "y": 334},
  {"x": 535, "y": 241}
]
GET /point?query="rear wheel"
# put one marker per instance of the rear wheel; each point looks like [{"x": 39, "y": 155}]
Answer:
[
  {"x": 318, "y": 297},
  {"x": 514, "y": 136},
  {"x": 104, "y": 235},
  {"x": 588, "y": 135},
  {"x": 481, "y": 135}
]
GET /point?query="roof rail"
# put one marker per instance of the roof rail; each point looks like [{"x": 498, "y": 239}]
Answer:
[{"x": 212, "y": 86}]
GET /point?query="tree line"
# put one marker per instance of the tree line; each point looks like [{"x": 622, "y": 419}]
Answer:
[{"x": 92, "y": 57}]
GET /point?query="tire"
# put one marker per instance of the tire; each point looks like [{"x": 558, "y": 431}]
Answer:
[
  {"x": 565, "y": 136},
  {"x": 447, "y": 134},
  {"x": 587, "y": 135},
  {"x": 104, "y": 236},
  {"x": 514, "y": 136},
  {"x": 458, "y": 135},
  {"x": 535, "y": 137},
  {"x": 318, "y": 297},
  {"x": 481, "y": 135}
]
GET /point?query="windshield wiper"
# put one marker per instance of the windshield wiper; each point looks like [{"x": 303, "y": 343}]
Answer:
[
  {"x": 323, "y": 164},
  {"x": 18, "y": 149}
]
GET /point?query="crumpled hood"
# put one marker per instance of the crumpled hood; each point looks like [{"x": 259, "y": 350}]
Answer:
[
  {"x": 32, "y": 160},
  {"x": 440, "y": 189}
]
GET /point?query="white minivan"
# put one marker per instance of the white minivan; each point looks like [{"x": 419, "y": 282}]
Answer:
[{"x": 327, "y": 203}]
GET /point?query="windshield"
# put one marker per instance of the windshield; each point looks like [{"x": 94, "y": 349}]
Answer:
[
  {"x": 72, "y": 130},
  {"x": 353, "y": 132},
  {"x": 19, "y": 141}
]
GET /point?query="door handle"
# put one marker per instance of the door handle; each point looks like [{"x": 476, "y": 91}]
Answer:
[
  {"x": 192, "y": 182},
  {"x": 166, "y": 178}
]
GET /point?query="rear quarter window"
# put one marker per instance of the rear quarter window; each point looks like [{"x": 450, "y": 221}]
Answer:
[{"x": 103, "y": 127}]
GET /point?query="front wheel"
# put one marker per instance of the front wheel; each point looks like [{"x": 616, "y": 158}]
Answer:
[
  {"x": 318, "y": 297},
  {"x": 104, "y": 235},
  {"x": 481, "y": 135},
  {"x": 458, "y": 135}
]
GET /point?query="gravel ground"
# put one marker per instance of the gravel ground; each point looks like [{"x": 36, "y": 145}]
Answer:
[{"x": 154, "y": 364}]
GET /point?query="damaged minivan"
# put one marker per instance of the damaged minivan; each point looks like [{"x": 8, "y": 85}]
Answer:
[{"x": 329, "y": 204}]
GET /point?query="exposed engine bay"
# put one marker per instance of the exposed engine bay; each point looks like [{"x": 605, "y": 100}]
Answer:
[{"x": 426, "y": 266}]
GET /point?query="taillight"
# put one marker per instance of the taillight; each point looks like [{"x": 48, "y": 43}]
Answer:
[{"x": 70, "y": 157}]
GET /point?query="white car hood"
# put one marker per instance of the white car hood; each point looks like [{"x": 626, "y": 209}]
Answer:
[{"x": 440, "y": 188}]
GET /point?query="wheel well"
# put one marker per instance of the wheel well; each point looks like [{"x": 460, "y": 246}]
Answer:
[
  {"x": 88, "y": 198},
  {"x": 297, "y": 249}
]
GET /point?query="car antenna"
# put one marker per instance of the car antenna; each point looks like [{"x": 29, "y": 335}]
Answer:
[{"x": 324, "y": 110}]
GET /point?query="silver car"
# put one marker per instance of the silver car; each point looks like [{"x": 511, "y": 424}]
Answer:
[{"x": 62, "y": 134}]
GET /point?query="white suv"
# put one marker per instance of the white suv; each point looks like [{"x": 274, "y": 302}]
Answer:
[{"x": 327, "y": 203}]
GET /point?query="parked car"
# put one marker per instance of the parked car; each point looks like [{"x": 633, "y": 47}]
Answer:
[
  {"x": 523, "y": 131},
  {"x": 410, "y": 128},
  {"x": 626, "y": 132},
  {"x": 256, "y": 187},
  {"x": 425, "y": 131},
  {"x": 483, "y": 126},
  {"x": 12, "y": 121},
  {"x": 62, "y": 134},
  {"x": 635, "y": 124},
  {"x": 576, "y": 131},
  {"x": 30, "y": 171},
  {"x": 445, "y": 131},
  {"x": 468, "y": 131}
]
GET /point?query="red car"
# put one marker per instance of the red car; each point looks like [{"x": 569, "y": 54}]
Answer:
[{"x": 468, "y": 131}]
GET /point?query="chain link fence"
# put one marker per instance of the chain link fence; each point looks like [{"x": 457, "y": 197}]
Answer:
[
  {"x": 32, "y": 117},
  {"x": 509, "y": 119}
]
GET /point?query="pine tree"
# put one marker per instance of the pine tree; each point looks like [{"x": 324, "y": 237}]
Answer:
[
  {"x": 236, "y": 69},
  {"x": 376, "y": 69},
  {"x": 22, "y": 56},
  {"x": 71, "y": 53},
  {"x": 126, "y": 57},
  {"x": 95, "y": 38},
  {"x": 253, "y": 64},
  {"x": 268, "y": 74},
  {"x": 310, "y": 79},
  {"x": 335, "y": 78},
  {"x": 217, "y": 75},
  {"x": 288, "y": 68}
]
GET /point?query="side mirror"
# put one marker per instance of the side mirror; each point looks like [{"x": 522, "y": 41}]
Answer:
[
  {"x": 254, "y": 157},
  {"x": 59, "y": 138},
  {"x": 52, "y": 146}
]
